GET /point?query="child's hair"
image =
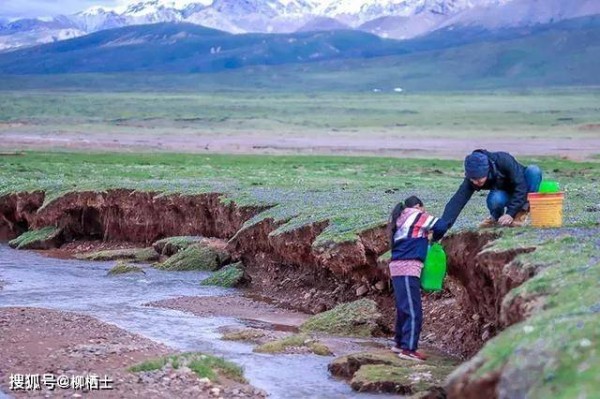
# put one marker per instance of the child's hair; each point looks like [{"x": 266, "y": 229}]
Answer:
[{"x": 410, "y": 202}]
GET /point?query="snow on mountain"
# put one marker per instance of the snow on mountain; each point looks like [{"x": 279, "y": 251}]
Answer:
[
  {"x": 401, "y": 19},
  {"x": 403, "y": 27},
  {"x": 98, "y": 18},
  {"x": 524, "y": 13},
  {"x": 40, "y": 36},
  {"x": 213, "y": 19},
  {"x": 323, "y": 24}
]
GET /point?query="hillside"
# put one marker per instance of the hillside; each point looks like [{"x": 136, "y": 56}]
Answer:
[
  {"x": 186, "y": 48},
  {"x": 567, "y": 53}
]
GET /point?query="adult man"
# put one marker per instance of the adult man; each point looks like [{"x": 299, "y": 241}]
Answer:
[{"x": 508, "y": 182}]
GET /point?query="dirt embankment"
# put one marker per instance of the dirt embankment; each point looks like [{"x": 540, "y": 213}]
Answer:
[
  {"x": 288, "y": 267},
  {"x": 479, "y": 279},
  {"x": 123, "y": 215}
]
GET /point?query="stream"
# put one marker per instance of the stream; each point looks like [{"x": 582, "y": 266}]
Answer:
[{"x": 33, "y": 280}]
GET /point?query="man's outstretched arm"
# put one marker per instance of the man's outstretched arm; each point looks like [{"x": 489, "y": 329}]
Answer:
[{"x": 457, "y": 203}]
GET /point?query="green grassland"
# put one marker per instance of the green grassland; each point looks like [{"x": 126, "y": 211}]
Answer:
[{"x": 561, "y": 114}]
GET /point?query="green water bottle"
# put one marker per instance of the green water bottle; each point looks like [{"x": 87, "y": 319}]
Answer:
[{"x": 434, "y": 270}]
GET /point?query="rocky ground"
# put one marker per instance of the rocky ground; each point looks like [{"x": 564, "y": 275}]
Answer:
[{"x": 41, "y": 341}]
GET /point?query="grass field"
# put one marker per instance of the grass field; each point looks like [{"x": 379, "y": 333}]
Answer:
[
  {"x": 442, "y": 125},
  {"x": 563, "y": 114}
]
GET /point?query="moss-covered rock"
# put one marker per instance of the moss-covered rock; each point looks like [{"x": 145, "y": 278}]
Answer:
[
  {"x": 45, "y": 238},
  {"x": 132, "y": 254},
  {"x": 248, "y": 334},
  {"x": 384, "y": 371},
  {"x": 347, "y": 366},
  {"x": 300, "y": 343},
  {"x": 382, "y": 378},
  {"x": 195, "y": 257},
  {"x": 171, "y": 245},
  {"x": 229, "y": 276},
  {"x": 355, "y": 319},
  {"x": 124, "y": 268}
]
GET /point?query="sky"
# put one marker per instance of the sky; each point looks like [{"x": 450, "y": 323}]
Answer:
[{"x": 44, "y": 8}]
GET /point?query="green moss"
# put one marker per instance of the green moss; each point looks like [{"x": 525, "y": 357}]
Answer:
[
  {"x": 320, "y": 349},
  {"x": 382, "y": 378},
  {"x": 31, "y": 238},
  {"x": 294, "y": 341},
  {"x": 358, "y": 319},
  {"x": 384, "y": 371},
  {"x": 212, "y": 366},
  {"x": 142, "y": 255},
  {"x": 171, "y": 245},
  {"x": 146, "y": 255},
  {"x": 205, "y": 366},
  {"x": 149, "y": 365},
  {"x": 249, "y": 334},
  {"x": 229, "y": 276},
  {"x": 194, "y": 257},
  {"x": 124, "y": 268}
]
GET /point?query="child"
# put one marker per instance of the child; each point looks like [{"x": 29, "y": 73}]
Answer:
[{"x": 409, "y": 229}]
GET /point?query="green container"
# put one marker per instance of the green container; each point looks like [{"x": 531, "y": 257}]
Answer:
[
  {"x": 434, "y": 270},
  {"x": 549, "y": 186}
]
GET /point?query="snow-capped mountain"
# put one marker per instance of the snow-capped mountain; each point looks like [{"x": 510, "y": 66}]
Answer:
[
  {"x": 28, "y": 32},
  {"x": 523, "y": 13},
  {"x": 401, "y": 19}
]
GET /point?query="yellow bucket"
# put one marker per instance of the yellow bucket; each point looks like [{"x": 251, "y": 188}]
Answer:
[{"x": 546, "y": 209}]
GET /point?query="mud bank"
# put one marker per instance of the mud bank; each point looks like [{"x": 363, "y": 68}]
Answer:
[
  {"x": 289, "y": 267},
  {"x": 122, "y": 215}
]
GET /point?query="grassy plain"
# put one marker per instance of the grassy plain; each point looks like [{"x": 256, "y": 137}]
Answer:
[{"x": 543, "y": 114}]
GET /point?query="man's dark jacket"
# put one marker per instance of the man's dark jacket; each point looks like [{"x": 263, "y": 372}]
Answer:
[{"x": 505, "y": 174}]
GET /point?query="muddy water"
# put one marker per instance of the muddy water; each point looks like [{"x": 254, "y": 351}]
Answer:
[{"x": 80, "y": 286}]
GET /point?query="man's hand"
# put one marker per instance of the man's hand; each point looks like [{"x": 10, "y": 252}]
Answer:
[{"x": 505, "y": 220}]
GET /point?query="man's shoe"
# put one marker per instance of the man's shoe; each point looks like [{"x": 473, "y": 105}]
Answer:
[
  {"x": 396, "y": 349},
  {"x": 412, "y": 355},
  {"x": 488, "y": 223},
  {"x": 521, "y": 219}
]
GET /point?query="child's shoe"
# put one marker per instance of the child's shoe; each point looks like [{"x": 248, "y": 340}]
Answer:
[{"x": 412, "y": 355}]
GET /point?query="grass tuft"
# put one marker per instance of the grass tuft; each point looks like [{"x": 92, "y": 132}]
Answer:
[
  {"x": 32, "y": 237},
  {"x": 203, "y": 365},
  {"x": 230, "y": 276}
]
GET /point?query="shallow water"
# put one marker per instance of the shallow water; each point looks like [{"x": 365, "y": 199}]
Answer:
[{"x": 82, "y": 286}]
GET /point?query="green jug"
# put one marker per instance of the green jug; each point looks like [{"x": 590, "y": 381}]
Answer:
[{"x": 434, "y": 269}]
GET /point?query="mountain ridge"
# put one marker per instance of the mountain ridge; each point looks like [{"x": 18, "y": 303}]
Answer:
[
  {"x": 399, "y": 19},
  {"x": 567, "y": 52}
]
